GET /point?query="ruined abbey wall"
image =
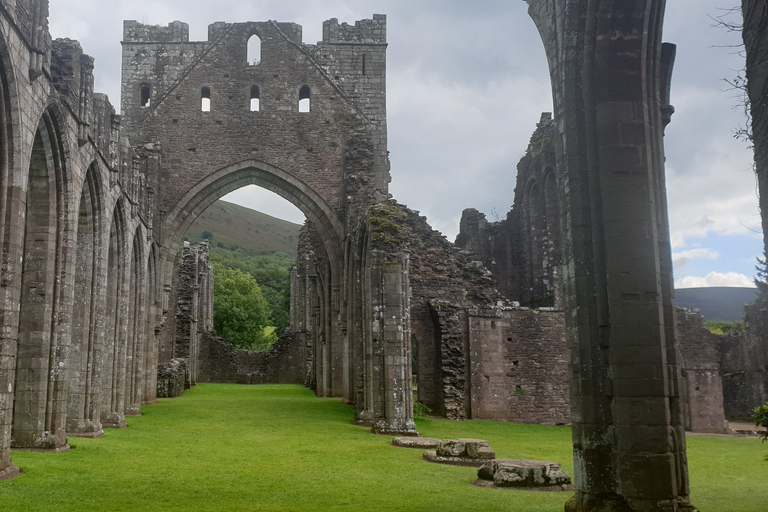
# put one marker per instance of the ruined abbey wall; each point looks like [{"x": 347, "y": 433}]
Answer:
[
  {"x": 95, "y": 206},
  {"x": 80, "y": 305},
  {"x": 744, "y": 365},
  {"x": 722, "y": 376}
]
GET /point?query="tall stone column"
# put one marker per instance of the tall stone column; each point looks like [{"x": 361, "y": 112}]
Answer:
[
  {"x": 392, "y": 388},
  {"x": 609, "y": 79}
]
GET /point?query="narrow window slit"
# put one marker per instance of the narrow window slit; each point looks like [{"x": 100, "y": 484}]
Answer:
[
  {"x": 146, "y": 93},
  {"x": 205, "y": 94},
  {"x": 304, "y": 97},
  {"x": 255, "y": 98}
]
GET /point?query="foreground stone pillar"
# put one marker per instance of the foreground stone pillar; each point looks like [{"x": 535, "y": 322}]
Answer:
[
  {"x": 392, "y": 388},
  {"x": 609, "y": 78}
]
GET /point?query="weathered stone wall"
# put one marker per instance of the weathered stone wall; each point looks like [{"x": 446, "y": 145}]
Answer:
[
  {"x": 443, "y": 283},
  {"x": 172, "y": 378},
  {"x": 701, "y": 371},
  {"x": 74, "y": 318},
  {"x": 523, "y": 251},
  {"x": 299, "y": 155},
  {"x": 536, "y": 364},
  {"x": 745, "y": 365},
  {"x": 283, "y": 364},
  {"x": 498, "y": 245},
  {"x": 458, "y": 325}
]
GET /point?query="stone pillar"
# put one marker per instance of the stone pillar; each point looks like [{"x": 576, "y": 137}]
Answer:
[
  {"x": 364, "y": 345},
  {"x": 185, "y": 309},
  {"x": 335, "y": 339},
  {"x": 608, "y": 73},
  {"x": 392, "y": 389}
]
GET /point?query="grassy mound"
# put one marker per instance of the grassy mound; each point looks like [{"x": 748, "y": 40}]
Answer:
[{"x": 227, "y": 447}]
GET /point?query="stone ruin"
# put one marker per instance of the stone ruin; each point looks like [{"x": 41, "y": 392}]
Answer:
[
  {"x": 492, "y": 472},
  {"x": 572, "y": 291},
  {"x": 523, "y": 475},
  {"x": 461, "y": 452}
]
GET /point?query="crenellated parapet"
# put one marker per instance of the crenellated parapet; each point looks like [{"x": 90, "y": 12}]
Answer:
[
  {"x": 372, "y": 31},
  {"x": 175, "y": 32}
]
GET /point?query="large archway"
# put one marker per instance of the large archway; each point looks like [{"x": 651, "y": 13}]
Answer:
[
  {"x": 253, "y": 172},
  {"x": 332, "y": 362}
]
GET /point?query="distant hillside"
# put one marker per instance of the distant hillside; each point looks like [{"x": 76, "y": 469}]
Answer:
[
  {"x": 234, "y": 226},
  {"x": 717, "y": 303}
]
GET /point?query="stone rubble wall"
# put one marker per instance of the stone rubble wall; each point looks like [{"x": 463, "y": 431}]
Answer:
[
  {"x": 701, "y": 373},
  {"x": 744, "y": 366},
  {"x": 172, "y": 378},
  {"x": 283, "y": 364}
]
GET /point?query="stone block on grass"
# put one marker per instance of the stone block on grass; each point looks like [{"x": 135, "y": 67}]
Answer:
[{"x": 523, "y": 474}]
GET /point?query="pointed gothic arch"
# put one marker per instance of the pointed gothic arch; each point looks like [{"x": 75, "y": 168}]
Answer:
[
  {"x": 39, "y": 415},
  {"x": 113, "y": 369},
  {"x": 83, "y": 408}
]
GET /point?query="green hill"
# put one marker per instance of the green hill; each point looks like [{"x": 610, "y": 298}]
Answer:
[
  {"x": 717, "y": 302},
  {"x": 231, "y": 226}
]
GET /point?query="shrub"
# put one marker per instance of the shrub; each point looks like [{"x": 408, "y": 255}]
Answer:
[
  {"x": 761, "y": 419},
  {"x": 724, "y": 326},
  {"x": 420, "y": 410}
]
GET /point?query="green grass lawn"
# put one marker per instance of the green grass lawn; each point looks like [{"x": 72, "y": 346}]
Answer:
[{"x": 227, "y": 447}]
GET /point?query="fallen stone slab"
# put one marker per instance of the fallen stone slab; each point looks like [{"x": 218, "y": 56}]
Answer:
[
  {"x": 523, "y": 475},
  {"x": 421, "y": 443},
  {"x": 461, "y": 452}
]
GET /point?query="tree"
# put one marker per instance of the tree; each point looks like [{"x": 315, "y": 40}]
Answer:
[
  {"x": 761, "y": 278},
  {"x": 273, "y": 274},
  {"x": 240, "y": 313}
]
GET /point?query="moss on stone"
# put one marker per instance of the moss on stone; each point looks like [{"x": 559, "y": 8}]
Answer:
[{"x": 386, "y": 221}]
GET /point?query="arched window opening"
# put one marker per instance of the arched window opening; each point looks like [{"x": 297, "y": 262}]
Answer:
[
  {"x": 205, "y": 93},
  {"x": 145, "y": 95},
  {"x": 304, "y": 94},
  {"x": 255, "y": 98},
  {"x": 254, "y": 50},
  {"x": 363, "y": 65}
]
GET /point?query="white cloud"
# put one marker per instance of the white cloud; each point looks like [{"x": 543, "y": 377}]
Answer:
[
  {"x": 715, "y": 279},
  {"x": 462, "y": 103},
  {"x": 682, "y": 258}
]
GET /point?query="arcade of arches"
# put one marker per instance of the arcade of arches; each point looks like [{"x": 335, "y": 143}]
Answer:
[{"x": 534, "y": 318}]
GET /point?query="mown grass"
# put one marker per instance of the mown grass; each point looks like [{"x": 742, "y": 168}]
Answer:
[{"x": 228, "y": 447}]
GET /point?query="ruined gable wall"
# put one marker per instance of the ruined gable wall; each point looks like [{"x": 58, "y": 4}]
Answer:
[
  {"x": 523, "y": 250},
  {"x": 345, "y": 101}
]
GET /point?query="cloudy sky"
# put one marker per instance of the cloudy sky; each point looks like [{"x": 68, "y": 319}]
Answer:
[{"x": 466, "y": 84}]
